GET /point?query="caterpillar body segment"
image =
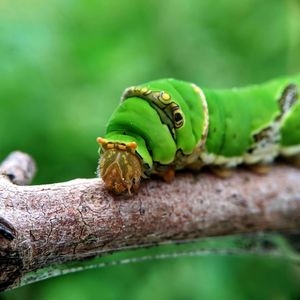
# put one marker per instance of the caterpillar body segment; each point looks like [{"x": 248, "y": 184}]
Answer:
[{"x": 176, "y": 124}]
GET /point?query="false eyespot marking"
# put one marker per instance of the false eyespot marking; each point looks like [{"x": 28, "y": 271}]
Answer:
[
  {"x": 160, "y": 100},
  {"x": 164, "y": 97}
]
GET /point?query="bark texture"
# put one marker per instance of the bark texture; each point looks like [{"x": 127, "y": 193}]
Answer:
[{"x": 49, "y": 224}]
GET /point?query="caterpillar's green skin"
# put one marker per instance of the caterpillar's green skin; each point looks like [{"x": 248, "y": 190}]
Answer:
[{"x": 211, "y": 127}]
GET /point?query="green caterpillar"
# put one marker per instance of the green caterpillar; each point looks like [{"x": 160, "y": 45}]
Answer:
[{"x": 167, "y": 125}]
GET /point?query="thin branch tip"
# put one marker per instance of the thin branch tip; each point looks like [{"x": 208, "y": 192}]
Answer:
[{"x": 19, "y": 168}]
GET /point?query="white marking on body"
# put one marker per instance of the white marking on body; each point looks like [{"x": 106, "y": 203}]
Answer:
[
  {"x": 264, "y": 155},
  {"x": 267, "y": 148},
  {"x": 203, "y": 138},
  {"x": 230, "y": 162},
  {"x": 265, "y": 151},
  {"x": 220, "y": 160},
  {"x": 290, "y": 151}
]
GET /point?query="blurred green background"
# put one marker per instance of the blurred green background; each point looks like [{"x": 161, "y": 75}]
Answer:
[{"x": 63, "y": 67}]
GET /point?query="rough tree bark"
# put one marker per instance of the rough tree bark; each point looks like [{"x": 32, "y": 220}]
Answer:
[{"x": 48, "y": 224}]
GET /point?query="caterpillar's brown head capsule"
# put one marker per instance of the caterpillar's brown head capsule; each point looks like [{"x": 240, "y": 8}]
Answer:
[{"x": 119, "y": 166}]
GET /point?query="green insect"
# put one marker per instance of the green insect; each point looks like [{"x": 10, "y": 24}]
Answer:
[{"x": 168, "y": 125}]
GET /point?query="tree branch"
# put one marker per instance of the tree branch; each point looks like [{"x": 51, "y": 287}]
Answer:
[{"x": 49, "y": 224}]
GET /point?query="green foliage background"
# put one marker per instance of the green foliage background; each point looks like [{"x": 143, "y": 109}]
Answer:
[{"x": 63, "y": 66}]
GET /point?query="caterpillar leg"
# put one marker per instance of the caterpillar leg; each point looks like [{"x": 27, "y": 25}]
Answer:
[
  {"x": 196, "y": 166},
  {"x": 221, "y": 171},
  {"x": 296, "y": 161},
  {"x": 293, "y": 160},
  {"x": 166, "y": 172},
  {"x": 260, "y": 169},
  {"x": 168, "y": 175}
]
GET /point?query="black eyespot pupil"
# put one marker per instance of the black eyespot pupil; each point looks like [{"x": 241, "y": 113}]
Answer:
[{"x": 177, "y": 117}]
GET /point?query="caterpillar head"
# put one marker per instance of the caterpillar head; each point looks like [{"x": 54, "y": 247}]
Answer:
[{"x": 119, "y": 166}]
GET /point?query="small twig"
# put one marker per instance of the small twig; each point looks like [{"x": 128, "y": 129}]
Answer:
[
  {"x": 50, "y": 224},
  {"x": 19, "y": 167}
]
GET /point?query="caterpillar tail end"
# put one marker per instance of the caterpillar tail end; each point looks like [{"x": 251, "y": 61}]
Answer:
[{"x": 119, "y": 166}]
